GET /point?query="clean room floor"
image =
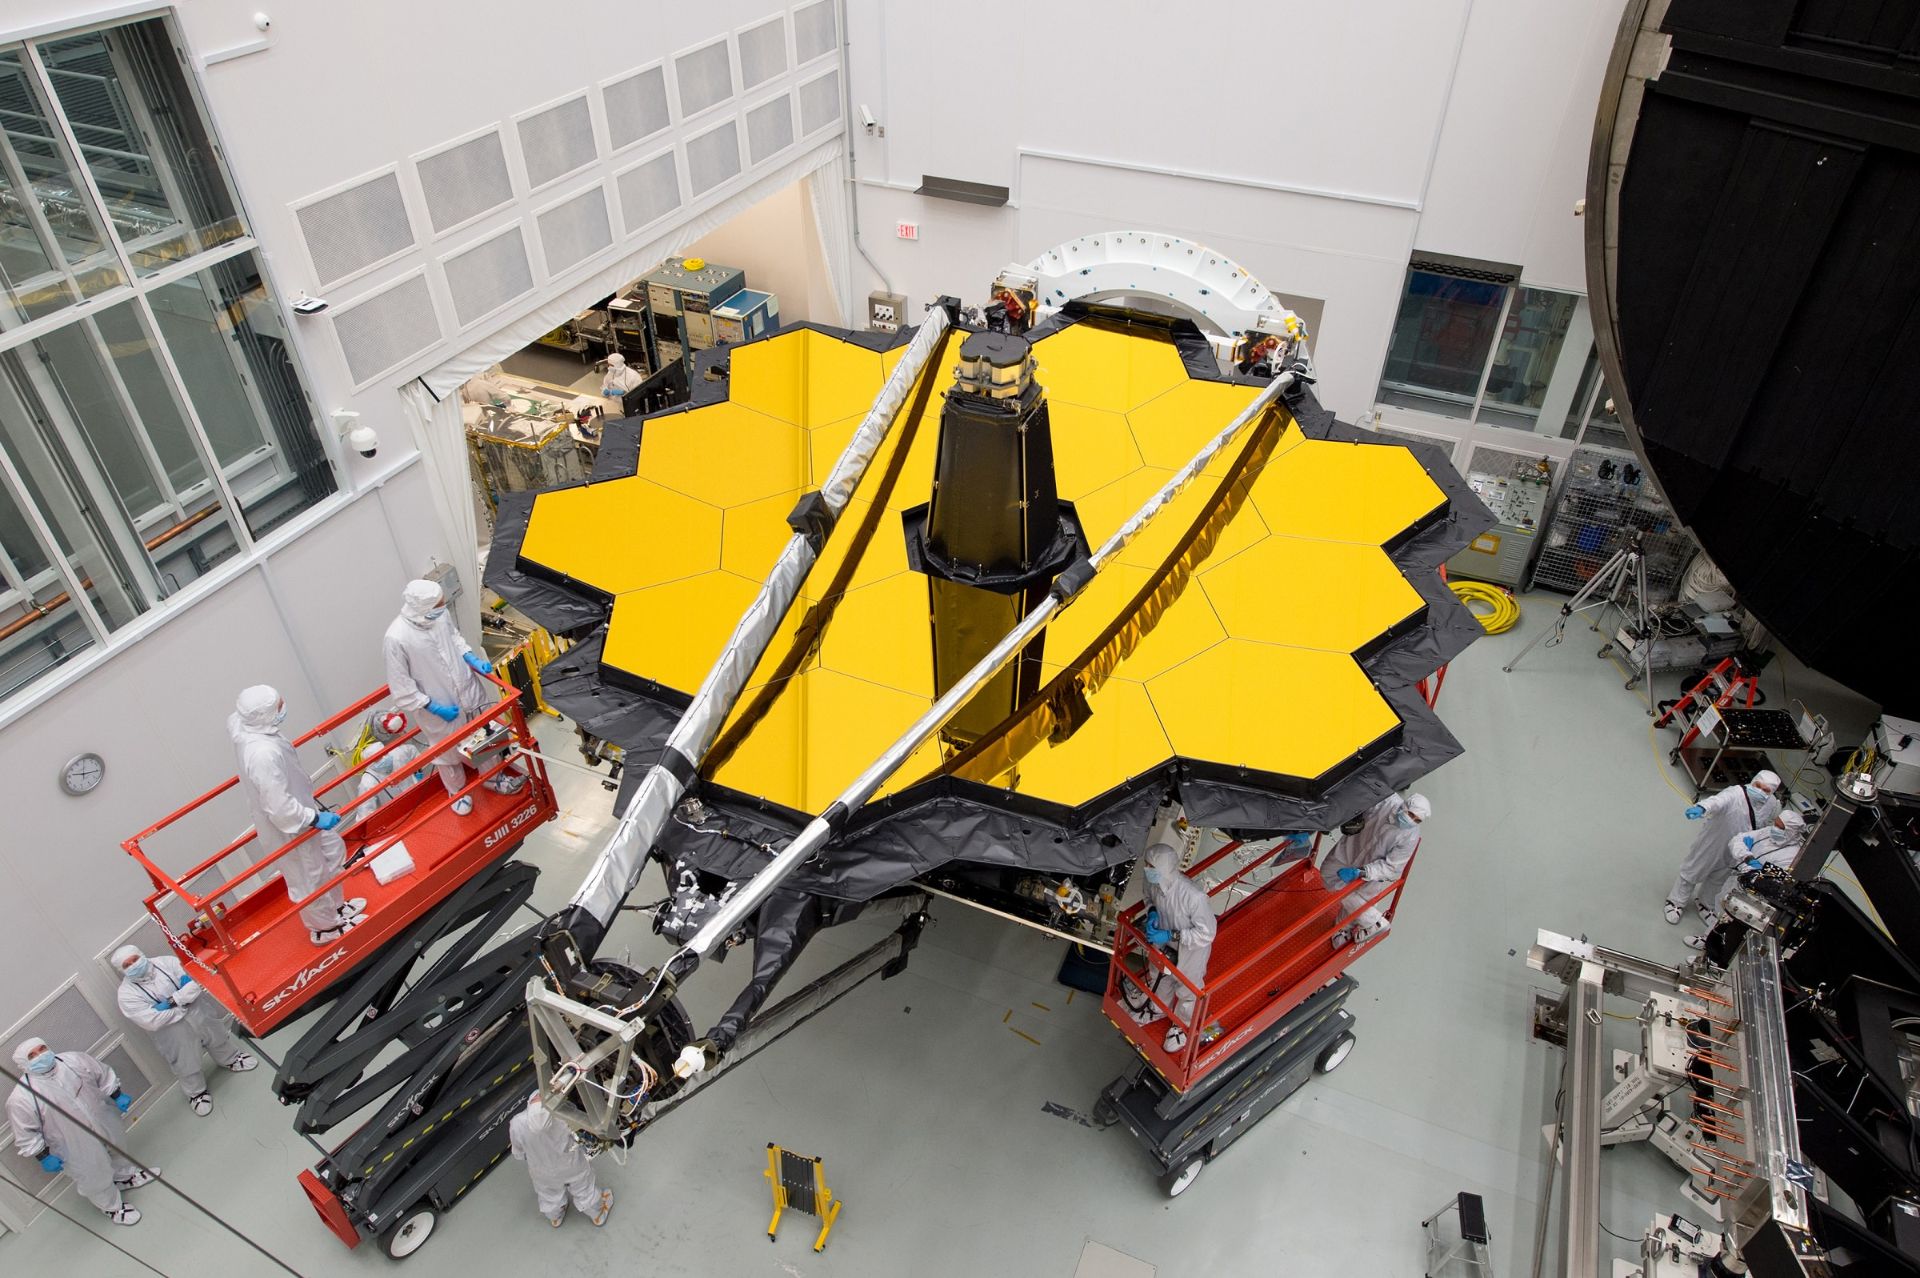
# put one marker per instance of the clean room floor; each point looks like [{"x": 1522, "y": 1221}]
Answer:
[{"x": 928, "y": 1108}]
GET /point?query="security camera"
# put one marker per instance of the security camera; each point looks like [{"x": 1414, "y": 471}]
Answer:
[
  {"x": 362, "y": 439},
  {"x": 304, "y": 305},
  {"x": 262, "y": 21},
  {"x": 866, "y": 118}
]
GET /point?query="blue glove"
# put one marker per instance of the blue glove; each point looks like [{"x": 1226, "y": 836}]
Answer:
[
  {"x": 1753, "y": 863},
  {"x": 1158, "y": 935},
  {"x": 480, "y": 664},
  {"x": 1748, "y": 840},
  {"x": 163, "y": 1005},
  {"x": 184, "y": 982},
  {"x": 1153, "y": 919},
  {"x": 51, "y": 1164},
  {"x": 1301, "y": 838},
  {"x": 1349, "y": 874},
  {"x": 445, "y": 711},
  {"x": 1695, "y": 812},
  {"x": 122, "y": 1102},
  {"x": 325, "y": 820}
]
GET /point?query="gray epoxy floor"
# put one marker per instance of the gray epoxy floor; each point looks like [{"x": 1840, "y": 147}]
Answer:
[{"x": 928, "y": 1107}]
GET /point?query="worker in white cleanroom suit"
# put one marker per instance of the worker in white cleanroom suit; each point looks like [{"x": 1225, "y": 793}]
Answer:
[
  {"x": 280, "y": 794},
  {"x": 65, "y": 1107},
  {"x": 378, "y": 780},
  {"x": 559, "y": 1167},
  {"x": 157, "y": 995},
  {"x": 1377, "y": 854},
  {"x": 1179, "y": 913},
  {"x": 615, "y": 383},
  {"x": 1738, "y": 809},
  {"x": 1777, "y": 844},
  {"x": 435, "y": 676}
]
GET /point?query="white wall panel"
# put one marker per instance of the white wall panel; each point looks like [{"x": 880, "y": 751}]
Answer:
[
  {"x": 384, "y": 329},
  {"x": 649, "y": 191},
  {"x": 763, "y": 52},
  {"x": 574, "y": 229},
  {"x": 486, "y": 276},
  {"x": 1458, "y": 126},
  {"x": 820, "y": 102},
  {"x": 713, "y": 157},
  {"x": 813, "y": 30},
  {"x": 769, "y": 129},
  {"x": 1512, "y": 158},
  {"x": 556, "y": 141},
  {"x": 464, "y": 181},
  {"x": 355, "y": 228},
  {"x": 704, "y": 77},
  {"x": 636, "y": 106}
]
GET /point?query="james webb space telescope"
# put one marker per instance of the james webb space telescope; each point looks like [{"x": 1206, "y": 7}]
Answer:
[{"x": 906, "y": 703}]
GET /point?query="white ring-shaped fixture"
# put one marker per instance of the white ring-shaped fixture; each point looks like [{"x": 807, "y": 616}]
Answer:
[{"x": 1212, "y": 288}]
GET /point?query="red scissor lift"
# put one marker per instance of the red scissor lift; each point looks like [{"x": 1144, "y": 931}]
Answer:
[
  {"x": 248, "y": 945},
  {"x": 1272, "y": 951},
  {"x": 1271, "y": 1014}
]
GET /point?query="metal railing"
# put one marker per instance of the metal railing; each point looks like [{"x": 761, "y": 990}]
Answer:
[
  {"x": 210, "y": 918},
  {"x": 1305, "y": 971}
]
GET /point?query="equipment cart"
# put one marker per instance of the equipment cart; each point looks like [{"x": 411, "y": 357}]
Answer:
[
  {"x": 1183, "y": 1131},
  {"x": 1729, "y": 744}
]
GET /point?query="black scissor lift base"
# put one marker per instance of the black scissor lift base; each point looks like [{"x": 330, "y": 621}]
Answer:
[{"x": 1183, "y": 1131}]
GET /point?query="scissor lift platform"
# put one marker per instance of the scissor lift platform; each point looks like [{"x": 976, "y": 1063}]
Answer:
[
  {"x": 1272, "y": 951},
  {"x": 245, "y": 941},
  {"x": 1183, "y": 1131}
]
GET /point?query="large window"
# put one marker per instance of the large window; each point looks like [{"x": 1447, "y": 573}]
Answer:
[
  {"x": 1526, "y": 357},
  {"x": 1471, "y": 342},
  {"x": 1592, "y": 419},
  {"x": 1441, "y": 340},
  {"x": 152, "y": 419}
]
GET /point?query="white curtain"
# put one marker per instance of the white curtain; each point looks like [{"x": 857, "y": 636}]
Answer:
[
  {"x": 445, "y": 379},
  {"x": 443, "y": 448},
  {"x": 832, "y": 198}
]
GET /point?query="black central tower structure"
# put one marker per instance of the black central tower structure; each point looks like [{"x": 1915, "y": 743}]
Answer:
[{"x": 990, "y": 555}]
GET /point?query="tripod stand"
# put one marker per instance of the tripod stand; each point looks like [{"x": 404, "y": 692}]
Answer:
[{"x": 1624, "y": 573}]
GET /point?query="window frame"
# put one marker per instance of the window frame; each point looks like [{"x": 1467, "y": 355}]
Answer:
[
  {"x": 124, "y": 531},
  {"x": 1595, "y": 393},
  {"x": 1469, "y": 415}
]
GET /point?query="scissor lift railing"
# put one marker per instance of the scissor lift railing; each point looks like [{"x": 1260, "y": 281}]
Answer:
[
  {"x": 1270, "y": 952},
  {"x": 249, "y": 946}
]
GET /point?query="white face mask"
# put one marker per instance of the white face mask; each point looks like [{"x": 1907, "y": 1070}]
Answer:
[
  {"x": 280, "y": 717},
  {"x": 1404, "y": 821},
  {"x": 434, "y": 614}
]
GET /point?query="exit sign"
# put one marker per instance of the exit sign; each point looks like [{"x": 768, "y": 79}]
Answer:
[{"x": 907, "y": 230}]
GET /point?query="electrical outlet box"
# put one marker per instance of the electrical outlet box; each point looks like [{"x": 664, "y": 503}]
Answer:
[
  {"x": 446, "y": 577},
  {"x": 907, "y": 230},
  {"x": 886, "y": 312}
]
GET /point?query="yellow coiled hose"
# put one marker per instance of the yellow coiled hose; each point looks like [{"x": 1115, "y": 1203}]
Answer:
[{"x": 1503, "y": 610}]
